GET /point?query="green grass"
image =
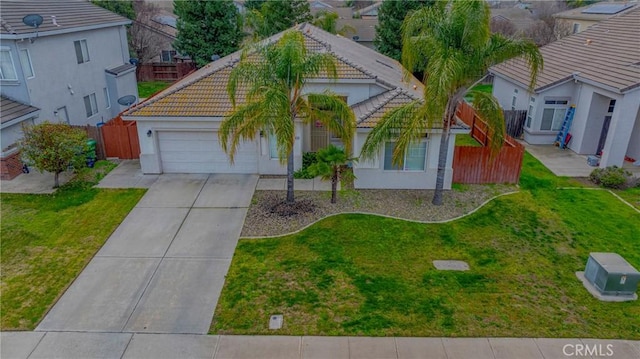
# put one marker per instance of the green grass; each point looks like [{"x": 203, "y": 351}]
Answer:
[
  {"x": 48, "y": 239},
  {"x": 366, "y": 275},
  {"x": 146, "y": 89},
  {"x": 631, "y": 195},
  {"x": 466, "y": 140}
]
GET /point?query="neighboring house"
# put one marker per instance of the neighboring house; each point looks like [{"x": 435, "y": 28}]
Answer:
[
  {"x": 521, "y": 19},
  {"x": 73, "y": 67},
  {"x": 178, "y": 127},
  {"x": 14, "y": 114},
  {"x": 598, "y": 71},
  {"x": 369, "y": 12},
  {"x": 164, "y": 27},
  {"x": 363, "y": 29},
  {"x": 581, "y": 18}
]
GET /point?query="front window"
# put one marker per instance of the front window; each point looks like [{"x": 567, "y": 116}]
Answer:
[
  {"x": 553, "y": 114},
  {"x": 7, "y": 70},
  {"x": 91, "y": 105},
  {"x": 167, "y": 55},
  {"x": 612, "y": 105},
  {"x": 25, "y": 60},
  {"x": 414, "y": 157},
  {"x": 82, "y": 51}
]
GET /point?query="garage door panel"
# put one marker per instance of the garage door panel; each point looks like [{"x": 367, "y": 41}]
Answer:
[{"x": 200, "y": 152}]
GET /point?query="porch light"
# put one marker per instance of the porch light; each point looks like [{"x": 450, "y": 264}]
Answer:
[{"x": 149, "y": 133}]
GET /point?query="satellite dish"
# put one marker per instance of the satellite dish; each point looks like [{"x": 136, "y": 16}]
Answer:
[
  {"x": 127, "y": 100},
  {"x": 33, "y": 20}
]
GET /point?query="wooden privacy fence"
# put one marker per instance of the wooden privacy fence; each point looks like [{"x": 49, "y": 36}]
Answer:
[
  {"x": 514, "y": 120},
  {"x": 475, "y": 164},
  {"x": 94, "y": 133},
  {"x": 159, "y": 71},
  {"x": 121, "y": 139}
]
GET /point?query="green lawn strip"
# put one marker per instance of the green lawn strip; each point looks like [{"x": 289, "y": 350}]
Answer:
[
  {"x": 466, "y": 140},
  {"x": 535, "y": 176},
  {"x": 631, "y": 195},
  {"x": 146, "y": 89},
  {"x": 366, "y": 275},
  {"x": 48, "y": 239}
]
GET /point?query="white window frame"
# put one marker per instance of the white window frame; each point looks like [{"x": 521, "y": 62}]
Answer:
[
  {"x": 404, "y": 162},
  {"x": 28, "y": 65},
  {"x": 576, "y": 28},
  {"x": 83, "y": 51},
  {"x": 58, "y": 113},
  {"x": 555, "y": 104},
  {"x": 107, "y": 97},
  {"x": 13, "y": 66},
  {"x": 530, "y": 112},
  {"x": 93, "y": 103}
]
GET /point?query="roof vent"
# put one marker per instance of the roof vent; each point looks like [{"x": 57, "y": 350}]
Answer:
[{"x": 54, "y": 21}]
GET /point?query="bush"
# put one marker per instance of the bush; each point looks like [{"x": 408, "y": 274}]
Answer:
[
  {"x": 308, "y": 158},
  {"x": 611, "y": 177}
]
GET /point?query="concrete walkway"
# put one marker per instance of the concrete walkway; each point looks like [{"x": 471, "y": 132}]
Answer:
[
  {"x": 163, "y": 268},
  {"x": 22, "y": 345}
]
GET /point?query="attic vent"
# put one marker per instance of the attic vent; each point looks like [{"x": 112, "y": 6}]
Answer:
[{"x": 384, "y": 63}]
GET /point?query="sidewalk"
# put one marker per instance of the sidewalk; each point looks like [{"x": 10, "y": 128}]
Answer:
[{"x": 22, "y": 345}]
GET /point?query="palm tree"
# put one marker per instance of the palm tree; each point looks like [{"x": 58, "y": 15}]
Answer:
[
  {"x": 273, "y": 76},
  {"x": 329, "y": 166},
  {"x": 328, "y": 21},
  {"x": 452, "y": 44}
]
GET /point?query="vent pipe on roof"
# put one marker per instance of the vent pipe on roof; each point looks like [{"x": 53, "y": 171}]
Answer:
[{"x": 54, "y": 21}]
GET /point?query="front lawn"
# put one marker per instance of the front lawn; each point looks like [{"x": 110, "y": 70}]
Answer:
[
  {"x": 48, "y": 239},
  {"x": 367, "y": 275}
]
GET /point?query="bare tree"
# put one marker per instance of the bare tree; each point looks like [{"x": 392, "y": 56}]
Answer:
[
  {"x": 502, "y": 26},
  {"x": 147, "y": 37},
  {"x": 547, "y": 28}
]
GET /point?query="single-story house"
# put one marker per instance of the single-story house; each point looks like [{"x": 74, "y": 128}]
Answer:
[
  {"x": 598, "y": 71},
  {"x": 178, "y": 127}
]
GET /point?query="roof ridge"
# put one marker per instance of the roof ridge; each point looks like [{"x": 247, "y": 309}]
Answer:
[
  {"x": 328, "y": 46},
  {"x": 392, "y": 94}
]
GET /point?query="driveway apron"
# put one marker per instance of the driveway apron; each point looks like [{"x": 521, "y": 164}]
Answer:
[{"x": 163, "y": 268}]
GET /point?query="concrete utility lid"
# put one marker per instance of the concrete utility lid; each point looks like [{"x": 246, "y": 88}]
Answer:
[
  {"x": 275, "y": 321},
  {"x": 451, "y": 265}
]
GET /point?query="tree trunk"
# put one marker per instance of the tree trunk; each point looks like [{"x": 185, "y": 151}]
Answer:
[
  {"x": 290, "y": 198},
  {"x": 442, "y": 165},
  {"x": 56, "y": 182},
  {"x": 334, "y": 186}
]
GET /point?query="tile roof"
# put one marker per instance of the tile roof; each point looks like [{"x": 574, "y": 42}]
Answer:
[
  {"x": 11, "y": 109},
  {"x": 607, "y": 54},
  {"x": 204, "y": 94},
  {"x": 369, "y": 112},
  {"x": 580, "y": 14},
  {"x": 522, "y": 19},
  {"x": 68, "y": 15}
]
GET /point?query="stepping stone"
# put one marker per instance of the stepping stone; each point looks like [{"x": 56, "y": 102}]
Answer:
[{"x": 451, "y": 265}]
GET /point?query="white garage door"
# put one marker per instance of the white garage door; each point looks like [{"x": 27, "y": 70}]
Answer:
[{"x": 200, "y": 152}]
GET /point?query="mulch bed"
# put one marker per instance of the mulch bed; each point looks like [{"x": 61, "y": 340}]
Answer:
[{"x": 269, "y": 215}]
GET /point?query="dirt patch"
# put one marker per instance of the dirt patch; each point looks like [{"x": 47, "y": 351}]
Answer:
[{"x": 270, "y": 216}]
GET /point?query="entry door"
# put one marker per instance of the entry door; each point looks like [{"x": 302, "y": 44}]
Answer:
[{"x": 603, "y": 134}]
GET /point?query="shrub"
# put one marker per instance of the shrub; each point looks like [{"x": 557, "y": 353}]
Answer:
[
  {"x": 308, "y": 159},
  {"x": 611, "y": 177}
]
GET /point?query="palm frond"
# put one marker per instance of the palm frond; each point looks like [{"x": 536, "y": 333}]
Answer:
[
  {"x": 500, "y": 49},
  {"x": 335, "y": 114},
  {"x": 490, "y": 111},
  {"x": 389, "y": 127}
]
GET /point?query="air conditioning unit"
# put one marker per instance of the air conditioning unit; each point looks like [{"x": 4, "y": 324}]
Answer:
[{"x": 611, "y": 274}]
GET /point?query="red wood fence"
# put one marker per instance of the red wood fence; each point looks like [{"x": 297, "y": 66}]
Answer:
[
  {"x": 169, "y": 72},
  {"x": 121, "y": 139},
  {"x": 95, "y": 133},
  {"x": 475, "y": 164}
]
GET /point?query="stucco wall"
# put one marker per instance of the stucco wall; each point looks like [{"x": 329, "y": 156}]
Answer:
[
  {"x": 533, "y": 134},
  {"x": 634, "y": 145},
  {"x": 371, "y": 174},
  {"x": 60, "y": 81},
  {"x": 503, "y": 90},
  {"x": 11, "y": 133}
]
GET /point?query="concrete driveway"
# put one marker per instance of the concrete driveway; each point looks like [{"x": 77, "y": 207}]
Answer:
[{"x": 163, "y": 268}]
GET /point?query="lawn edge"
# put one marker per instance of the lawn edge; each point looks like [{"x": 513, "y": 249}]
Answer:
[
  {"x": 606, "y": 190},
  {"x": 386, "y": 216}
]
